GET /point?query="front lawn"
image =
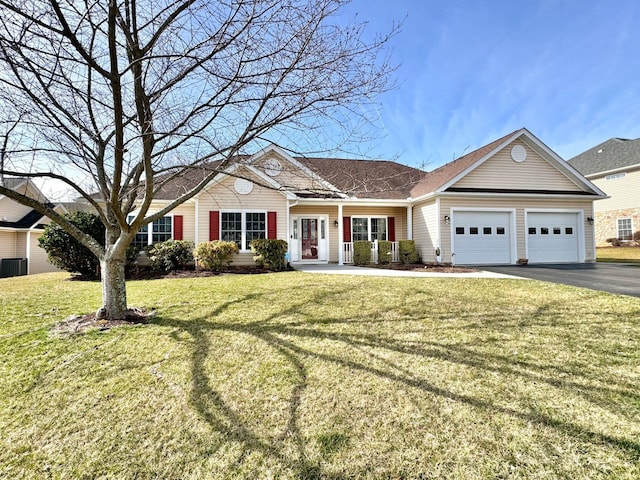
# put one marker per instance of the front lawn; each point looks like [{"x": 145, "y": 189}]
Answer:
[
  {"x": 307, "y": 376},
  {"x": 618, "y": 254}
]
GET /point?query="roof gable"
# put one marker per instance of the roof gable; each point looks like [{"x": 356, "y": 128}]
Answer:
[
  {"x": 614, "y": 154},
  {"x": 492, "y": 169}
]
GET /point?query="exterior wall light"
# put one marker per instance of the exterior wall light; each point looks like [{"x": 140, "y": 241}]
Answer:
[
  {"x": 590, "y": 220},
  {"x": 447, "y": 219},
  {"x": 335, "y": 223}
]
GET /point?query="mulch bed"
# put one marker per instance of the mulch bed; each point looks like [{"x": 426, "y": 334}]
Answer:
[{"x": 428, "y": 268}]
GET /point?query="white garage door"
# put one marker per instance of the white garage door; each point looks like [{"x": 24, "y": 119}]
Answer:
[
  {"x": 481, "y": 238},
  {"x": 552, "y": 237}
]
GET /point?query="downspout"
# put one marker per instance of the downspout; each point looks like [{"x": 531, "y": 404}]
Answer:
[{"x": 28, "y": 251}]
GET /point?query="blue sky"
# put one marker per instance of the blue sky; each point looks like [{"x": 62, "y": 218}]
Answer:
[{"x": 473, "y": 71}]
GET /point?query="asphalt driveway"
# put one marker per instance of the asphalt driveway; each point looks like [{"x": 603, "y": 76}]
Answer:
[{"x": 618, "y": 278}]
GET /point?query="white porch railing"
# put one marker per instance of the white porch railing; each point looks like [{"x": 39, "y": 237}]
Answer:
[{"x": 347, "y": 249}]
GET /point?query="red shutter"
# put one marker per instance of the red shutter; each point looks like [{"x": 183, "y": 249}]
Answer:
[
  {"x": 214, "y": 225},
  {"x": 346, "y": 229},
  {"x": 272, "y": 225},
  {"x": 392, "y": 228},
  {"x": 177, "y": 227}
]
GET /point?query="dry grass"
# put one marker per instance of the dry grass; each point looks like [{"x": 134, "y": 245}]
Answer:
[
  {"x": 618, "y": 254},
  {"x": 300, "y": 376}
]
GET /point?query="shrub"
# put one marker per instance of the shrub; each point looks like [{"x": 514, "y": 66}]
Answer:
[
  {"x": 216, "y": 255},
  {"x": 384, "y": 252},
  {"x": 362, "y": 252},
  {"x": 408, "y": 252},
  {"x": 67, "y": 253},
  {"x": 269, "y": 253},
  {"x": 615, "y": 242},
  {"x": 170, "y": 255}
]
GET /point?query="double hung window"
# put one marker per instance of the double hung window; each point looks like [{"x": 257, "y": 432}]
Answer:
[{"x": 243, "y": 227}]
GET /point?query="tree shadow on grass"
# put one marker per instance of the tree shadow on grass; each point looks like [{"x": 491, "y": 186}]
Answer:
[{"x": 286, "y": 339}]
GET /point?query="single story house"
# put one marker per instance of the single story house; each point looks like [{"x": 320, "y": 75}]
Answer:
[
  {"x": 20, "y": 228},
  {"x": 511, "y": 201},
  {"x": 614, "y": 166}
]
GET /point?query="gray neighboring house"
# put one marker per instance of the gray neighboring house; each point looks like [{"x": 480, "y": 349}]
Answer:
[{"x": 614, "y": 167}]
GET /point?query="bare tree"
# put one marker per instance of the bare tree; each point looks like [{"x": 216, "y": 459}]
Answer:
[{"x": 130, "y": 93}]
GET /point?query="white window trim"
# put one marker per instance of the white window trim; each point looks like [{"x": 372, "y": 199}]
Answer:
[
  {"x": 618, "y": 228},
  {"x": 150, "y": 227},
  {"x": 369, "y": 217},
  {"x": 243, "y": 221}
]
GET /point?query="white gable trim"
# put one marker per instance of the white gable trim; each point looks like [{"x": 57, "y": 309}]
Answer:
[
  {"x": 279, "y": 151},
  {"x": 261, "y": 175},
  {"x": 548, "y": 154}
]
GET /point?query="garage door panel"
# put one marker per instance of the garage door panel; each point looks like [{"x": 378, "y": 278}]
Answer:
[
  {"x": 552, "y": 237},
  {"x": 482, "y": 238}
]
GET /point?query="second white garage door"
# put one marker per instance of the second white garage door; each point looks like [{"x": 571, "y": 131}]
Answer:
[
  {"x": 481, "y": 238},
  {"x": 553, "y": 237}
]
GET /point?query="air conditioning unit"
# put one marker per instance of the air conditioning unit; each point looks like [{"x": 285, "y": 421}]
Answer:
[{"x": 13, "y": 267}]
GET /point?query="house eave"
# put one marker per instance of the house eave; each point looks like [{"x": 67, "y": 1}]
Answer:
[
  {"x": 612, "y": 171},
  {"x": 529, "y": 195}
]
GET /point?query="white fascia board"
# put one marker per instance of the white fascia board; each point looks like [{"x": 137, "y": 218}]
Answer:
[
  {"x": 295, "y": 163},
  {"x": 421, "y": 198},
  {"x": 612, "y": 171},
  {"x": 483, "y": 159},
  {"x": 361, "y": 202},
  {"x": 520, "y": 195},
  {"x": 564, "y": 166}
]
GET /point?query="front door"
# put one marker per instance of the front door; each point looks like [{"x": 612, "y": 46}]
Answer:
[
  {"x": 309, "y": 238},
  {"x": 309, "y": 227}
]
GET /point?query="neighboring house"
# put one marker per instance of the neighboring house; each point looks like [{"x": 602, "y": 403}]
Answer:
[
  {"x": 20, "y": 228},
  {"x": 614, "y": 166},
  {"x": 509, "y": 201}
]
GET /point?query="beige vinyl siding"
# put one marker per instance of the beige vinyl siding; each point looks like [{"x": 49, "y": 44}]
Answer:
[
  {"x": 21, "y": 244},
  {"x": 500, "y": 171},
  {"x": 11, "y": 210},
  {"x": 38, "y": 262},
  {"x": 623, "y": 192},
  {"x": 188, "y": 212},
  {"x": 425, "y": 229},
  {"x": 291, "y": 177},
  {"x": 8, "y": 244},
  {"x": 222, "y": 196},
  {"x": 400, "y": 214},
  {"x": 520, "y": 205}
]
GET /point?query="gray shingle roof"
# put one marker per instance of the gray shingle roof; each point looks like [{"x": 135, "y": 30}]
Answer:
[{"x": 613, "y": 154}]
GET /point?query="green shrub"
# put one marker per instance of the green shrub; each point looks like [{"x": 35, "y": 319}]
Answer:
[
  {"x": 384, "y": 252},
  {"x": 171, "y": 255},
  {"x": 269, "y": 253},
  {"x": 362, "y": 252},
  {"x": 67, "y": 253},
  {"x": 408, "y": 252},
  {"x": 216, "y": 255}
]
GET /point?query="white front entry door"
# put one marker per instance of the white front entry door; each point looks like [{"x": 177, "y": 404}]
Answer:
[{"x": 309, "y": 238}]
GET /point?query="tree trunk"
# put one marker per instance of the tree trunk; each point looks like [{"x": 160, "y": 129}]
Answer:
[{"x": 114, "y": 291}]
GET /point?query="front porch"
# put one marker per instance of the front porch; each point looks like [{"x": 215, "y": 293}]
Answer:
[
  {"x": 347, "y": 252},
  {"x": 326, "y": 233}
]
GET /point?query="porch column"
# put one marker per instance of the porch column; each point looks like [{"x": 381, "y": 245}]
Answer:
[
  {"x": 340, "y": 236},
  {"x": 410, "y": 222}
]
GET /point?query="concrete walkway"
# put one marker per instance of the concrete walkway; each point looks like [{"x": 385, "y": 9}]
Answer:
[{"x": 335, "y": 269}]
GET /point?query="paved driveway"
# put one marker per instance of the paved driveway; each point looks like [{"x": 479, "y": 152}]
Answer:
[{"x": 609, "y": 277}]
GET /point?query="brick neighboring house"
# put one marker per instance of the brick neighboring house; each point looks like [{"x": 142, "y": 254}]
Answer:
[{"x": 614, "y": 167}]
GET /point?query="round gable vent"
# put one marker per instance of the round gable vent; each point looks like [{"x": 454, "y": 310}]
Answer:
[
  {"x": 242, "y": 186},
  {"x": 518, "y": 153},
  {"x": 272, "y": 167}
]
